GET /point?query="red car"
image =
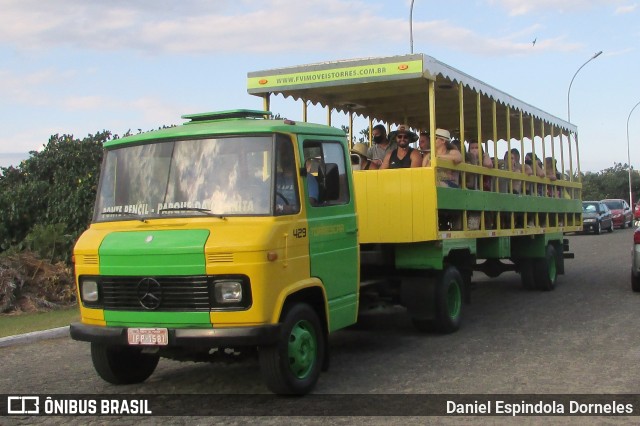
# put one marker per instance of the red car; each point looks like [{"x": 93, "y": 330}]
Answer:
[
  {"x": 621, "y": 212},
  {"x": 636, "y": 212}
]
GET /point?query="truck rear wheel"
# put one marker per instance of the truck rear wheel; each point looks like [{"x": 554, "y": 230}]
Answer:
[
  {"x": 122, "y": 365},
  {"x": 292, "y": 366},
  {"x": 448, "y": 300},
  {"x": 545, "y": 270},
  {"x": 526, "y": 273}
]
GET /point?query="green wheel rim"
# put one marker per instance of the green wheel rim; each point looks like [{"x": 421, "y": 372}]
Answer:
[
  {"x": 454, "y": 299},
  {"x": 302, "y": 349}
]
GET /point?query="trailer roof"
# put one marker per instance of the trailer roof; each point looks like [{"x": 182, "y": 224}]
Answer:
[{"x": 395, "y": 89}]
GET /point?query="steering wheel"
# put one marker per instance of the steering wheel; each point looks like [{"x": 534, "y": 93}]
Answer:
[{"x": 279, "y": 194}]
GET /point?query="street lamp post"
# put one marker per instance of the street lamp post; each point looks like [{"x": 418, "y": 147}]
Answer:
[
  {"x": 411, "y": 26},
  {"x": 629, "y": 157},
  {"x": 574, "y": 76}
]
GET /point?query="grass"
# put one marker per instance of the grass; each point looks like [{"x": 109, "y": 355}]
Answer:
[{"x": 11, "y": 325}]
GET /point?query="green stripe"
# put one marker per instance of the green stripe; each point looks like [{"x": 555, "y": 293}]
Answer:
[
  {"x": 154, "y": 253},
  {"x": 158, "y": 319},
  {"x": 462, "y": 199}
]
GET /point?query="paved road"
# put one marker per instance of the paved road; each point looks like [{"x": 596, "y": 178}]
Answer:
[{"x": 581, "y": 338}]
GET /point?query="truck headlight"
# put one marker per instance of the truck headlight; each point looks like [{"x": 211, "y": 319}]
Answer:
[
  {"x": 89, "y": 289},
  {"x": 228, "y": 291}
]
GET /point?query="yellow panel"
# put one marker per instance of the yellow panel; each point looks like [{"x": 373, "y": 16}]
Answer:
[{"x": 396, "y": 205}]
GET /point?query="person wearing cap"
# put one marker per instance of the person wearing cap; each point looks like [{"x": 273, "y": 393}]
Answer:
[
  {"x": 445, "y": 151},
  {"x": 364, "y": 163},
  {"x": 381, "y": 145},
  {"x": 403, "y": 156}
]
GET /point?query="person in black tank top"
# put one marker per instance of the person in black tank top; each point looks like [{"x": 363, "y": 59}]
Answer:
[{"x": 403, "y": 156}]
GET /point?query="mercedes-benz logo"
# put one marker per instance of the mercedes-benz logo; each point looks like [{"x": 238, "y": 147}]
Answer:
[{"x": 149, "y": 293}]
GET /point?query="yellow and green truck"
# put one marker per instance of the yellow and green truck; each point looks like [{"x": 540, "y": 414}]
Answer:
[{"x": 239, "y": 232}]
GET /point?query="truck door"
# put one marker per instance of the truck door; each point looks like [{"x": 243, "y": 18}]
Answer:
[{"x": 333, "y": 232}]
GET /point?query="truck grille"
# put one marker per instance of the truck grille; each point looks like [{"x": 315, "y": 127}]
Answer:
[{"x": 190, "y": 294}]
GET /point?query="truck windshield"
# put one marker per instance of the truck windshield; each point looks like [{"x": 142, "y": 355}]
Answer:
[{"x": 221, "y": 177}]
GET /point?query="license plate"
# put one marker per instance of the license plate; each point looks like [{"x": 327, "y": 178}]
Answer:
[{"x": 148, "y": 336}]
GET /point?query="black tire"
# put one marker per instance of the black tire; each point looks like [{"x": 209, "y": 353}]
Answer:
[
  {"x": 122, "y": 365},
  {"x": 635, "y": 282},
  {"x": 526, "y": 274},
  {"x": 545, "y": 270},
  {"x": 292, "y": 366},
  {"x": 448, "y": 300},
  {"x": 598, "y": 228}
]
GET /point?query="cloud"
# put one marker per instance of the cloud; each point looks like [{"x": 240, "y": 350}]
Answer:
[
  {"x": 200, "y": 27},
  {"x": 523, "y": 7},
  {"x": 621, "y": 10}
]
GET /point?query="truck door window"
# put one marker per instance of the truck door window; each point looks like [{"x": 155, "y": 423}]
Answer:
[
  {"x": 286, "y": 194},
  {"x": 328, "y": 167}
]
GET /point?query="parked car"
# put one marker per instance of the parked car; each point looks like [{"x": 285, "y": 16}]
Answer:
[
  {"x": 635, "y": 266},
  {"x": 621, "y": 212},
  {"x": 636, "y": 214},
  {"x": 596, "y": 216}
]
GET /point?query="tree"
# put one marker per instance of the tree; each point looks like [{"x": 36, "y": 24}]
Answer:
[
  {"x": 54, "y": 188},
  {"x": 612, "y": 182}
]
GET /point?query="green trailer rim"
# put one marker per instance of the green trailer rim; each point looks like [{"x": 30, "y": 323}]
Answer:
[
  {"x": 553, "y": 273},
  {"x": 454, "y": 299},
  {"x": 302, "y": 349}
]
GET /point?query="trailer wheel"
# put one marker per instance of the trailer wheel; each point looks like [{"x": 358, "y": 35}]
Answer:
[
  {"x": 292, "y": 366},
  {"x": 526, "y": 273},
  {"x": 122, "y": 365},
  {"x": 545, "y": 270},
  {"x": 448, "y": 300}
]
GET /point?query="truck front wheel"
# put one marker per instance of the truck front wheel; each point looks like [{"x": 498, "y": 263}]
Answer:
[
  {"x": 122, "y": 365},
  {"x": 292, "y": 366}
]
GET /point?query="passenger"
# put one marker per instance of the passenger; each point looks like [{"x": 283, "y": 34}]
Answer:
[
  {"x": 364, "y": 163},
  {"x": 403, "y": 156},
  {"x": 528, "y": 159},
  {"x": 550, "y": 169},
  {"x": 472, "y": 157},
  {"x": 313, "y": 190},
  {"x": 423, "y": 143},
  {"x": 552, "y": 173},
  {"x": 381, "y": 145},
  {"x": 445, "y": 151},
  {"x": 516, "y": 167}
]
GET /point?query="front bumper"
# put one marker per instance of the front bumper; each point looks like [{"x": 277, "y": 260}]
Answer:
[{"x": 204, "y": 337}]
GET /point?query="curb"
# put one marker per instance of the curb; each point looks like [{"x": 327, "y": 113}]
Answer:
[{"x": 34, "y": 336}]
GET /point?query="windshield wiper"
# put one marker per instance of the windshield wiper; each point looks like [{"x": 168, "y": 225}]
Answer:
[
  {"x": 191, "y": 209},
  {"x": 134, "y": 215}
]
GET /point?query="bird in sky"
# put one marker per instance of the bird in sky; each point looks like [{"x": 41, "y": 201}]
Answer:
[{"x": 534, "y": 41}]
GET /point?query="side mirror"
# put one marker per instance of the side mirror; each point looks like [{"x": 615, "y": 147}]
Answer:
[{"x": 329, "y": 181}]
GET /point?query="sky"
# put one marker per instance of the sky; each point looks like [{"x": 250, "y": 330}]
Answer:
[{"x": 82, "y": 66}]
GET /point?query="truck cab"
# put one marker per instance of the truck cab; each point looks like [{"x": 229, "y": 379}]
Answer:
[{"x": 230, "y": 233}]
